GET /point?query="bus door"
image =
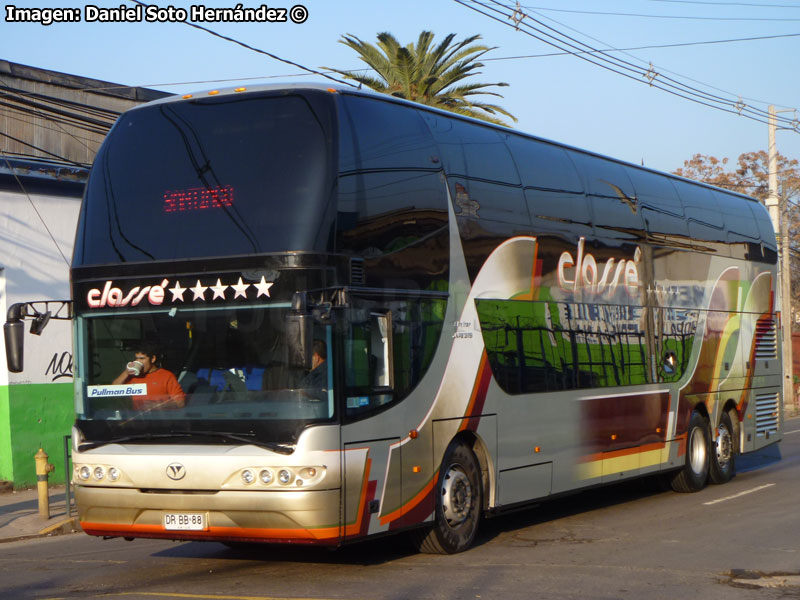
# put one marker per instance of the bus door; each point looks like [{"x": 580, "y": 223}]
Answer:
[{"x": 371, "y": 436}]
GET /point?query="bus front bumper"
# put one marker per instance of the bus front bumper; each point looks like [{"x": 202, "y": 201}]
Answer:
[{"x": 300, "y": 517}]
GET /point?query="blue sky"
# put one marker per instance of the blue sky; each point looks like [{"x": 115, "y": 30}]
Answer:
[{"x": 557, "y": 97}]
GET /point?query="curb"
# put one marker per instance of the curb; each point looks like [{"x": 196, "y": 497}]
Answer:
[
  {"x": 68, "y": 525},
  {"x": 63, "y": 527}
]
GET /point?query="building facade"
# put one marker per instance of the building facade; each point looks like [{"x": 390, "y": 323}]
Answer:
[{"x": 51, "y": 126}]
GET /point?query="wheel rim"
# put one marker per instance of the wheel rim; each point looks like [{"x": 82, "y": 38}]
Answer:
[
  {"x": 724, "y": 446},
  {"x": 697, "y": 450},
  {"x": 456, "y": 496}
]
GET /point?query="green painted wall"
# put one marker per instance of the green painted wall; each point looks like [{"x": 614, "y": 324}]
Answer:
[
  {"x": 6, "y": 467},
  {"x": 38, "y": 415}
]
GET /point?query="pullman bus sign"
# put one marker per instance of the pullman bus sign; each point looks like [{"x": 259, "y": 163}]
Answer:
[{"x": 167, "y": 292}]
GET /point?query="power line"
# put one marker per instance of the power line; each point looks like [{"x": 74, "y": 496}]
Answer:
[
  {"x": 64, "y": 118},
  {"x": 58, "y": 156},
  {"x": 519, "y": 57},
  {"x": 523, "y": 22},
  {"x": 646, "y": 16},
  {"x": 651, "y": 47},
  {"x": 28, "y": 196},
  {"x": 626, "y": 51},
  {"x": 13, "y": 114},
  {"x": 728, "y": 3},
  {"x": 258, "y": 50}
]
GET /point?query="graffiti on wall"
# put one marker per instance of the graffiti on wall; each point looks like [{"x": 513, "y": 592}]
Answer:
[{"x": 60, "y": 366}]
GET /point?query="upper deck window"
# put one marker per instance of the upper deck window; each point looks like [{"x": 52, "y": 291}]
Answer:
[{"x": 229, "y": 175}]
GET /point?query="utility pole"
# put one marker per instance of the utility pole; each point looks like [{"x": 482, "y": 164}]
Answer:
[{"x": 775, "y": 207}]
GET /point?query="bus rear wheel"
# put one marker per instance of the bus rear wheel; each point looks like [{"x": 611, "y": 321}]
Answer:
[
  {"x": 694, "y": 474},
  {"x": 459, "y": 499},
  {"x": 723, "y": 456}
]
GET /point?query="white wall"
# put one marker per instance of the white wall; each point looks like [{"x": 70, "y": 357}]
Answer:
[{"x": 35, "y": 267}]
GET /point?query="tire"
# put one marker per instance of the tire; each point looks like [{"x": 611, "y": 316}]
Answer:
[
  {"x": 459, "y": 502},
  {"x": 723, "y": 453},
  {"x": 694, "y": 474}
]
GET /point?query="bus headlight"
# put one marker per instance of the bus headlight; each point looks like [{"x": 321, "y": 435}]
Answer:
[
  {"x": 265, "y": 476},
  {"x": 99, "y": 473},
  {"x": 113, "y": 474},
  {"x": 84, "y": 472},
  {"x": 248, "y": 476},
  {"x": 285, "y": 476}
]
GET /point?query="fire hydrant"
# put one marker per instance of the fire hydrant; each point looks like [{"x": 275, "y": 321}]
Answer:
[{"x": 42, "y": 469}]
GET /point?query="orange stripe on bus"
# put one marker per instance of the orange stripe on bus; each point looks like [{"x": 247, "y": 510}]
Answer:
[
  {"x": 355, "y": 528},
  {"x": 477, "y": 398},
  {"x": 479, "y": 389},
  {"x": 323, "y": 533},
  {"x": 408, "y": 506}
]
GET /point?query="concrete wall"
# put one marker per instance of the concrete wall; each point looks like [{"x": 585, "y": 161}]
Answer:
[
  {"x": 51, "y": 116},
  {"x": 36, "y": 406}
]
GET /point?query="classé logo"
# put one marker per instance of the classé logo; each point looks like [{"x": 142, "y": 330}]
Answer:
[
  {"x": 584, "y": 273},
  {"x": 114, "y": 296}
]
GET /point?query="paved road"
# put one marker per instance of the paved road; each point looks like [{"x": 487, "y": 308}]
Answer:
[{"x": 727, "y": 542}]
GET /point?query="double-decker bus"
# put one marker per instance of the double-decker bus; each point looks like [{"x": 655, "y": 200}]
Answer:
[{"x": 502, "y": 320}]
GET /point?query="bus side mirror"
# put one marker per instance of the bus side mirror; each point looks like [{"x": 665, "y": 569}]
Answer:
[{"x": 14, "y": 334}]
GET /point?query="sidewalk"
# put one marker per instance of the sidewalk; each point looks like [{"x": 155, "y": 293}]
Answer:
[{"x": 20, "y": 519}]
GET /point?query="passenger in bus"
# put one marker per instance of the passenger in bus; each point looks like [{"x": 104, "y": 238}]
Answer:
[
  {"x": 316, "y": 380},
  {"x": 163, "y": 389}
]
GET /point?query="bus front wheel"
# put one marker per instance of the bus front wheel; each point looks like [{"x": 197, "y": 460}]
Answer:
[
  {"x": 694, "y": 474},
  {"x": 458, "y": 503}
]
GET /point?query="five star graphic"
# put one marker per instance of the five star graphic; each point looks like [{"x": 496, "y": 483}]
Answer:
[
  {"x": 239, "y": 288},
  {"x": 199, "y": 291},
  {"x": 177, "y": 292},
  {"x": 263, "y": 287},
  {"x": 219, "y": 290}
]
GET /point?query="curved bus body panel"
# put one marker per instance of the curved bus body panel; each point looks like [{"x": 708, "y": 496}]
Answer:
[{"x": 559, "y": 314}]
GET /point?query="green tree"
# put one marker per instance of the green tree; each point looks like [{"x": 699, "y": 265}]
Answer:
[{"x": 426, "y": 74}]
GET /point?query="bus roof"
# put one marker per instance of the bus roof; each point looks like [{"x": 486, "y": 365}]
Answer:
[{"x": 335, "y": 88}]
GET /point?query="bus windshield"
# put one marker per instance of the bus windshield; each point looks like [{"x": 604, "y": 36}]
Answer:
[
  {"x": 231, "y": 373},
  {"x": 215, "y": 176}
]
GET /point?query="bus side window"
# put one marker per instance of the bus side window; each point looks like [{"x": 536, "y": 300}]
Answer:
[
  {"x": 612, "y": 198},
  {"x": 552, "y": 188},
  {"x": 704, "y": 217},
  {"x": 661, "y": 207},
  {"x": 484, "y": 182},
  {"x": 391, "y": 200},
  {"x": 551, "y": 346},
  {"x": 388, "y": 348},
  {"x": 743, "y": 234},
  {"x": 369, "y": 362}
]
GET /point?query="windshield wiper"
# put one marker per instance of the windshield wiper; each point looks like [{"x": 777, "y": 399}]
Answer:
[
  {"x": 246, "y": 438},
  {"x": 130, "y": 438}
]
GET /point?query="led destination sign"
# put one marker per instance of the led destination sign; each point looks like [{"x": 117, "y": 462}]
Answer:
[{"x": 198, "y": 199}]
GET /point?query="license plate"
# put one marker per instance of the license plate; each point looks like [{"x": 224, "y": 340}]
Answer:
[{"x": 185, "y": 521}]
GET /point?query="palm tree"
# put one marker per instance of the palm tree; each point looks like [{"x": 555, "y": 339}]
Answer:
[{"x": 427, "y": 75}]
